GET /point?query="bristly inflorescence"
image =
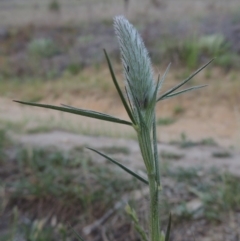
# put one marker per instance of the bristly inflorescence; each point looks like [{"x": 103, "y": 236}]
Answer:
[{"x": 138, "y": 72}]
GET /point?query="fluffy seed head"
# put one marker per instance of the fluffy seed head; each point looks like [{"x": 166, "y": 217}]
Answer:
[{"x": 136, "y": 62}]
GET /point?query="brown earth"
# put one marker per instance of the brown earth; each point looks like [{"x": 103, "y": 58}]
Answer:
[{"x": 204, "y": 118}]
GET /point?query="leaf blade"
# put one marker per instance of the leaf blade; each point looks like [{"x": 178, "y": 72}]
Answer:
[
  {"x": 162, "y": 79},
  {"x": 184, "y": 82},
  {"x": 118, "y": 88},
  {"x": 120, "y": 165},
  {"x": 77, "y": 235},
  {"x": 82, "y": 112},
  {"x": 167, "y": 237},
  {"x": 184, "y": 91}
]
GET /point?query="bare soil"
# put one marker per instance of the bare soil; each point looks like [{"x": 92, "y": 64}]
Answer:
[
  {"x": 206, "y": 133},
  {"x": 196, "y": 136}
]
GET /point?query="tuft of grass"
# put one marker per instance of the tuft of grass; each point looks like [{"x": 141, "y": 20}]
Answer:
[
  {"x": 191, "y": 50},
  {"x": 228, "y": 60},
  {"x": 54, "y": 6},
  {"x": 64, "y": 183},
  {"x": 116, "y": 150},
  {"x": 171, "y": 155},
  {"x": 184, "y": 142},
  {"x": 222, "y": 154},
  {"x": 4, "y": 143},
  {"x": 178, "y": 110},
  {"x": 42, "y": 48},
  {"x": 165, "y": 121},
  {"x": 217, "y": 194},
  {"x": 208, "y": 74},
  {"x": 74, "y": 68},
  {"x": 220, "y": 195},
  {"x": 185, "y": 174},
  {"x": 55, "y": 176},
  {"x": 208, "y": 142}
]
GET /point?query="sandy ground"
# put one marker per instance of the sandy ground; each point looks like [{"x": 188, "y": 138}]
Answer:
[
  {"x": 88, "y": 132},
  {"x": 195, "y": 156}
]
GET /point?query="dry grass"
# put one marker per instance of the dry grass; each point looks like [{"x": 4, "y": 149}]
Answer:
[{"x": 90, "y": 79}]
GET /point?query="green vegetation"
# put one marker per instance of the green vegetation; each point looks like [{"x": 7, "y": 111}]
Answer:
[
  {"x": 45, "y": 191},
  {"x": 171, "y": 155},
  {"x": 74, "y": 68},
  {"x": 116, "y": 150},
  {"x": 223, "y": 154},
  {"x": 42, "y": 48},
  {"x": 165, "y": 121},
  {"x": 66, "y": 183},
  {"x": 142, "y": 96},
  {"x": 54, "y": 6},
  {"x": 185, "y": 142},
  {"x": 218, "y": 194},
  {"x": 190, "y": 51},
  {"x": 2, "y": 144},
  {"x": 49, "y": 173},
  {"x": 178, "y": 110},
  {"x": 69, "y": 183}
]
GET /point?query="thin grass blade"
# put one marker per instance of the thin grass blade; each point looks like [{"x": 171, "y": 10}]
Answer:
[
  {"x": 73, "y": 110},
  {"x": 163, "y": 77},
  {"x": 184, "y": 82},
  {"x": 77, "y": 235},
  {"x": 118, "y": 88},
  {"x": 132, "y": 213},
  {"x": 183, "y": 91},
  {"x": 155, "y": 151},
  {"x": 167, "y": 237},
  {"x": 121, "y": 166}
]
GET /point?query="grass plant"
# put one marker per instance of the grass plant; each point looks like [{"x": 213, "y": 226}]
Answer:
[
  {"x": 171, "y": 155},
  {"x": 191, "y": 50},
  {"x": 185, "y": 142},
  {"x": 141, "y": 96},
  {"x": 42, "y": 48},
  {"x": 178, "y": 110},
  {"x": 54, "y": 6},
  {"x": 78, "y": 190},
  {"x": 222, "y": 154},
  {"x": 165, "y": 121}
]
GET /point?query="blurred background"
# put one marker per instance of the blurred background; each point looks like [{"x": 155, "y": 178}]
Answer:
[{"x": 51, "y": 51}]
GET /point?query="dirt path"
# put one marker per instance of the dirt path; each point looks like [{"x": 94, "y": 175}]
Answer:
[
  {"x": 195, "y": 155},
  {"x": 197, "y": 128}
]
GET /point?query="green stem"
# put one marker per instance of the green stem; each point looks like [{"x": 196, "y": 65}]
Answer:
[
  {"x": 145, "y": 144},
  {"x": 148, "y": 150},
  {"x": 157, "y": 168},
  {"x": 155, "y": 149}
]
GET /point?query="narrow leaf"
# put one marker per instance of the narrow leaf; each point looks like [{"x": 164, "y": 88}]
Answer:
[
  {"x": 164, "y": 76},
  {"x": 73, "y": 110},
  {"x": 120, "y": 165},
  {"x": 77, "y": 235},
  {"x": 155, "y": 150},
  {"x": 183, "y": 82},
  {"x": 168, "y": 228},
  {"x": 118, "y": 88},
  {"x": 183, "y": 91},
  {"x": 133, "y": 215}
]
